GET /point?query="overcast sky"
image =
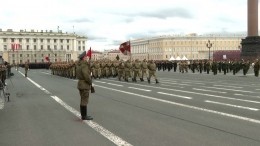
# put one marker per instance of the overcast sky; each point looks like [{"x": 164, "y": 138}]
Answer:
[{"x": 107, "y": 23}]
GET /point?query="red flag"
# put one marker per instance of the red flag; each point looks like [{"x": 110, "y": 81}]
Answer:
[
  {"x": 89, "y": 53},
  {"x": 15, "y": 46},
  {"x": 125, "y": 48},
  {"x": 47, "y": 58}
]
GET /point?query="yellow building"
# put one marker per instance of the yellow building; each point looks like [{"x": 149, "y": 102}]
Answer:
[{"x": 190, "y": 46}]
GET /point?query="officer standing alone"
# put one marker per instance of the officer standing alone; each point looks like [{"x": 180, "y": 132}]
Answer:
[
  {"x": 26, "y": 67},
  {"x": 84, "y": 85}
]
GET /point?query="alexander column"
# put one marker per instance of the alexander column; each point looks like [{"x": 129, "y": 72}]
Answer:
[{"x": 251, "y": 44}]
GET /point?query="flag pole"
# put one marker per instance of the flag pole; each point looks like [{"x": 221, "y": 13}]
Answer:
[{"x": 130, "y": 51}]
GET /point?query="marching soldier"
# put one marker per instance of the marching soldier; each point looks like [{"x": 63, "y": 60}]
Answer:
[
  {"x": 257, "y": 67},
  {"x": 152, "y": 70},
  {"x": 136, "y": 68},
  {"x": 120, "y": 70},
  {"x": 128, "y": 68},
  {"x": 144, "y": 68}
]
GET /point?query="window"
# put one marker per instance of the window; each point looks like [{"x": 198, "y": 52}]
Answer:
[
  {"x": 28, "y": 55},
  {"x": 55, "y": 40},
  {"x": 12, "y": 39},
  {"x": 13, "y": 55},
  {"x": 55, "y": 55},
  {"x": 20, "y": 40},
  {"x": 68, "y": 40},
  {"x": 48, "y": 40},
  {"x": 5, "y": 47},
  {"x": 4, "y": 39},
  {"x": 55, "y": 47},
  {"x": 27, "y": 40},
  {"x": 34, "y": 47},
  {"x": 21, "y": 55},
  {"x": 61, "y": 47},
  {"x": 83, "y": 48},
  {"x": 42, "y": 55},
  {"x": 68, "y": 47},
  {"x": 61, "y": 40},
  {"x": 35, "y": 55},
  {"x": 21, "y": 61},
  {"x": 41, "y": 47},
  {"x": 41, "y": 40},
  {"x": 42, "y": 60},
  {"x": 78, "y": 42},
  {"x": 79, "y": 48},
  {"x": 83, "y": 42},
  {"x": 35, "y": 60},
  {"x": 27, "y": 47},
  {"x": 48, "y": 47},
  {"x": 34, "y": 40}
]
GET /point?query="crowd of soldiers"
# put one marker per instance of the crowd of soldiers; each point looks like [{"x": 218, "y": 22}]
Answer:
[
  {"x": 123, "y": 70},
  {"x": 145, "y": 70},
  {"x": 208, "y": 65}
]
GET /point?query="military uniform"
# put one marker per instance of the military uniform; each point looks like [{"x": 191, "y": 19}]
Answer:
[
  {"x": 257, "y": 67},
  {"x": 26, "y": 67},
  {"x": 152, "y": 70},
  {"x": 84, "y": 85}
]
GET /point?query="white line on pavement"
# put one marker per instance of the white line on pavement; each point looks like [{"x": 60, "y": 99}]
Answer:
[
  {"x": 229, "y": 89},
  {"x": 247, "y": 95},
  {"x": 171, "y": 86},
  {"x": 45, "y": 73},
  {"x": 187, "y": 106},
  {"x": 175, "y": 83},
  {"x": 100, "y": 82},
  {"x": 183, "y": 91},
  {"x": 186, "y": 97},
  {"x": 140, "y": 89},
  {"x": 101, "y": 130},
  {"x": 107, "y": 134},
  {"x": 194, "y": 83},
  {"x": 228, "y": 86},
  {"x": 237, "y": 106},
  {"x": 115, "y": 84},
  {"x": 208, "y": 90}
]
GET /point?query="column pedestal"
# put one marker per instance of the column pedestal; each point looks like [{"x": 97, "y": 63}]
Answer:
[{"x": 250, "y": 47}]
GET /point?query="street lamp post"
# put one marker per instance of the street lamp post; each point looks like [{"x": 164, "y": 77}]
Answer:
[{"x": 209, "y": 45}]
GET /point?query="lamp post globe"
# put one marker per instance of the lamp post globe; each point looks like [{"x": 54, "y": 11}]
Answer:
[{"x": 209, "y": 45}]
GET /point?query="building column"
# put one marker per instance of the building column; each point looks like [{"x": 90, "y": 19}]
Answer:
[
  {"x": 251, "y": 44},
  {"x": 252, "y": 14}
]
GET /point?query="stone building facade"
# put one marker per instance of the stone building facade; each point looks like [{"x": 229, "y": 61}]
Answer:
[{"x": 37, "y": 46}]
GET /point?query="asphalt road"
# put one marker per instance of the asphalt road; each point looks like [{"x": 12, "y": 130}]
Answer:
[{"x": 183, "y": 109}]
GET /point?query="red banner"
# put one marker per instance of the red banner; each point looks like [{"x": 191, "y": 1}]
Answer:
[
  {"x": 125, "y": 48},
  {"x": 89, "y": 53},
  {"x": 15, "y": 47}
]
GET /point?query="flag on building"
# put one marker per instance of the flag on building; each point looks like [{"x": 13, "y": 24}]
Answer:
[
  {"x": 125, "y": 48},
  {"x": 15, "y": 46},
  {"x": 47, "y": 58}
]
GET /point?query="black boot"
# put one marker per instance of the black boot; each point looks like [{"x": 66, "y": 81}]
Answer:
[
  {"x": 148, "y": 80},
  {"x": 88, "y": 117},
  {"x": 156, "y": 81},
  {"x": 83, "y": 112}
]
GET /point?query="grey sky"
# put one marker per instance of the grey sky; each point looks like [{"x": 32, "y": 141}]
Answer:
[{"x": 107, "y": 23}]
